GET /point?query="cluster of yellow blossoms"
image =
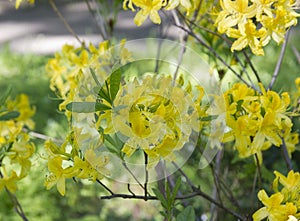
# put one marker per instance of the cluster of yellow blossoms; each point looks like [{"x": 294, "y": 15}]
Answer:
[
  {"x": 15, "y": 145},
  {"x": 257, "y": 120},
  {"x": 254, "y": 23},
  {"x": 69, "y": 161},
  {"x": 284, "y": 204},
  {"x": 154, "y": 115},
  {"x": 150, "y": 8},
  {"x": 74, "y": 75}
]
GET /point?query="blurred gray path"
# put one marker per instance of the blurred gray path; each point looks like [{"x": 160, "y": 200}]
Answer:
[{"x": 38, "y": 29}]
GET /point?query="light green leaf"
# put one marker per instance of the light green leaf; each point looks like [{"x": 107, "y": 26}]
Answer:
[
  {"x": 86, "y": 107},
  {"x": 5, "y": 95}
]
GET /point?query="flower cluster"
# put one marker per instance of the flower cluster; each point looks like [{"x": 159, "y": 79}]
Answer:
[
  {"x": 154, "y": 115},
  {"x": 150, "y": 8},
  {"x": 69, "y": 161},
  {"x": 254, "y": 23},
  {"x": 75, "y": 74},
  {"x": 258, "y": 120},
  {"x": 15, "y": 145},
  {"x": 70, "y": 71},
  {"x": 284, "y": 204}
]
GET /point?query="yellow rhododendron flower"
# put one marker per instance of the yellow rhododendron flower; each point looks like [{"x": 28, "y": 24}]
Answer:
[
  {"x": 254, "y": 23},
  {"x": 247, "y": 35},
  {"x": 147, "y": 8},
  {"x": 284, "y": 203},
  {"x": 257, "y": 121},
  {"x": 58, "y": 174},
  {"x": 9, "y": 181},
  {"x": 154, "y": 116},
  {"x": 233, "y": 13}
]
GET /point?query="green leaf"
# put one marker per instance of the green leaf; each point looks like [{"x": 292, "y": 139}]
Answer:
[
  {"x": 86, "y": 107},
  {"x": 94, "y": 76},
  {"x": 175, "y": 190},
  {"x": 208, "y": 118},
  {"x": 9, "y": 116},
  {"x": 115, "y": 79},
  {"x": 161, "y": 197},
  {"x": 110, "y": 88},
  {"x": 104, "y": 92},
  {"x": 187, "y": 214},
  {"x": 5, "y": 95}
]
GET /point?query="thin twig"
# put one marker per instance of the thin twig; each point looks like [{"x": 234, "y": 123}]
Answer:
[
  {"x": 280, "y": 59},
  {"x": 142, "y": 197},
  {"x": 66, "y": 24},
  {"x": 198, "y": 191},
  {"x": 41, "y": 136},
  {"x": 297, "y": 54},
  {"x": 129, "y": 190},
  {"x": 17, "y": 206},
  {"x": 103, "y": 32},
  {"x": 191, "y": 22},
  {"x": 258, "y": 171},
  {"x": 132, "y": 174},
  {"x": 146, "y": 175},
  {"x": 286, "y": 156},
  {"x": 215, "y": 54},
  {"x": 105, "y": 187}
]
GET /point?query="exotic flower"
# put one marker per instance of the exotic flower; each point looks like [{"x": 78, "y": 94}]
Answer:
[
  {"x": 284, "y": 203},
  {"x": 247, "y": 35},
  {"x": 153, "y": 116},
  {"x": 234, "y": 13},
  {"x": 257, "y": 120},
  {"x": 147, "y": 8}
]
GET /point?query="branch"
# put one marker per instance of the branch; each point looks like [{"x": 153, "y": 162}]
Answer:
[
  {"x": 66, "y": 24},
  {"x": 103, "y": 32},
  {"x": 280, "y": 59},
  {"x": 258, "y": 170},
  {"x": 132, "y": 174},
  {"x": 105, "y": 187},
  {"x": 197, "y": 191},
  {"x": 146, "y": 176},
  {"x": 286, "y": 157},
  {"x": 192, "y": 22},
  {"x": 17, "y": 206},
  {"x": 215, "y": 54}
]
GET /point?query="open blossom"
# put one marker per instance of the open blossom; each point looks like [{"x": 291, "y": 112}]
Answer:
[
  {"x": 257, "y": 121},
  {"x": 153, "y": 116},
  {"x": 284, "y": 203},
  {"x": 254, "y": 23},
  {"x": 247, "y": 35}
]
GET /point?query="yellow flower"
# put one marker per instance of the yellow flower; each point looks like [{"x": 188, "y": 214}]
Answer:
[
  {"x": 273, "y": 208},
  {"x": 153, "y": 115},
  {"x": 174, "y": 3},
  {"x": 148, "y": 8},
  {"x": 58, "y": 174},
  {"x": 233, "y": 13},
  {"x": 92, "y": 167},
  {"x": 9, "y": 181},
  {"x": 247, "y": 35}
]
